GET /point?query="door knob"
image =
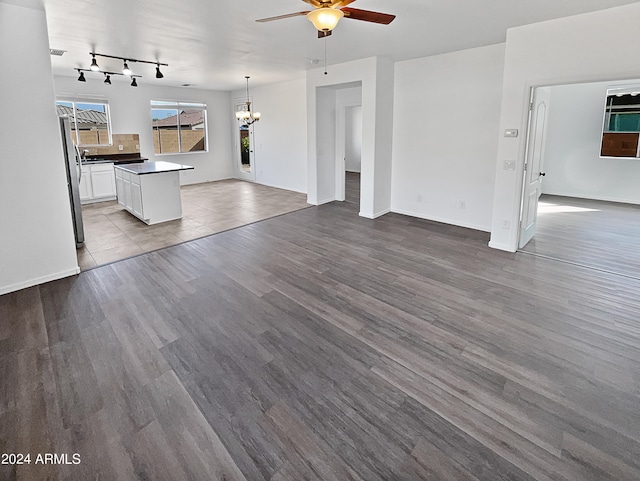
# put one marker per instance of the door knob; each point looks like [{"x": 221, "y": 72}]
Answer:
[{"x": 542, "y": 174}]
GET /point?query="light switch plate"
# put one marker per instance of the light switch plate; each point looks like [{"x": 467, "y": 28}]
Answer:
[{"x": 511, "y": 133}]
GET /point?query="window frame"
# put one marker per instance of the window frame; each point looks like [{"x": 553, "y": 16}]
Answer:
[
  {"x": 179, "y": 106},
  {"x": 89, "y": 100}
]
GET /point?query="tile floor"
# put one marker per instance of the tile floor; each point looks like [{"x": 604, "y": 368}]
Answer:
[{"x": 112, "y": 234}]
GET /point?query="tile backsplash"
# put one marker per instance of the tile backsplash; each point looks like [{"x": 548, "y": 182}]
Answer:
[{"x": 130, "y": 145}]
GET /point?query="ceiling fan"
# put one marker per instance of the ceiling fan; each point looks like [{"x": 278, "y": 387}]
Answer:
[{"x": 327, "y": 13}]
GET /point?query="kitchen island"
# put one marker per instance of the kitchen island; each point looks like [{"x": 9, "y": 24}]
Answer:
[{"x": 150, "y": 190}]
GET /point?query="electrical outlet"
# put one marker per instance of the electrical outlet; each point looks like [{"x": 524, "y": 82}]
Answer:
[
  {"x": 509, "y": 165},
  {"x": 138, "y": 146},
  {"x": 462, "y": 204},
  {"x": 506, "y": 224},
  {"x": 419, "y": 198},
  {"x": 120, "y": 147}
]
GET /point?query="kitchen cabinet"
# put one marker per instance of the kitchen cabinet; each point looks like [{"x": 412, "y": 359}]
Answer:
[
  {"x": 150, "y": 191},
  {"x": 98, "y": 183}
]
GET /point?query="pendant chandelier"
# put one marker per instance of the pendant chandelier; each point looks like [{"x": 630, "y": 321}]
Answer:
[{"x": 245, "y": 116}]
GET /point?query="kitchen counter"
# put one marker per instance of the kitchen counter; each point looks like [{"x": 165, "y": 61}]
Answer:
[
  {"x": 150, "y": 190},
  {"x": 153, "y": 167},
  {"x": 115, "y": 160}
]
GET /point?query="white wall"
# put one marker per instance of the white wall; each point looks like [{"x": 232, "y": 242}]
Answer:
[
  {"x": 131, "y": 114},
  {"x": 353, "y": 138},
  {"x": 572, "y": 159},
  {"x": 444, "y": 155},
  {"x": 375, "y": 75},
  {"x": 591, "y": 47},
  {"x": 36, "y": 231},
  {"x": 280, "y": 136}
]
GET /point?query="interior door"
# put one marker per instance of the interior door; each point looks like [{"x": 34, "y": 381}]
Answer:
[{"x": 534, "y": 161}]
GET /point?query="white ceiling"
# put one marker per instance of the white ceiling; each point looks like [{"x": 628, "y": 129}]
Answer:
[{"x": 213, "y": 44}]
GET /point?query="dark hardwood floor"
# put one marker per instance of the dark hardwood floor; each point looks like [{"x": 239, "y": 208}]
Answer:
[
  {"x": 319, "y": 345},
  {"x": 593, "y": 233},
  {"x": 352, "y": 187}
]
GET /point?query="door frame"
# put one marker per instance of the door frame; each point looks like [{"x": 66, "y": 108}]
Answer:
[
  {"x": 240, "y": 174},
  {"x": 341, "y": 146}
]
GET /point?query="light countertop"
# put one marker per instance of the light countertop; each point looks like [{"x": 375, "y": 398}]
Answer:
[{"x": 152, "y": 167}]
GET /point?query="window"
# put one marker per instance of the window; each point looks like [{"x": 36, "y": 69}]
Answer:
[
  {"x": 178, "y": 127},
  {"x": 90, "y": 121}
]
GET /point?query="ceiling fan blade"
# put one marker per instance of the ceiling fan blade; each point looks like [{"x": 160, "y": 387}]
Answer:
[
  {"x": 280, "y": 17},
  {"x": 368, "y": 16},
  {"x": 323, "y": 33},
  {"x": 315, "y": 3}
]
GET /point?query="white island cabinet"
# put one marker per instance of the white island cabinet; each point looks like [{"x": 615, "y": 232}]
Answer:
[{"x": 150, "y": 190}]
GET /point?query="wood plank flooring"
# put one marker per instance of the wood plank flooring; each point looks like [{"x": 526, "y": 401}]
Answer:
[
  {"x": 319, "y": 345},
  {"x": 598, "y": 234}
]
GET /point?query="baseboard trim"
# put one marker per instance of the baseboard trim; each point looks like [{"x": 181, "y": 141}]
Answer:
[
  {"x": 501, "y": 247},
  {"x": 325, "y": 201},
  {"x": 442, "y": 220},
  {"x": 40, "y": 280},
  {"x": 281, "y": 187},
  {"x": 595, "y": 197},
  {"x": 374, "y": 216}
]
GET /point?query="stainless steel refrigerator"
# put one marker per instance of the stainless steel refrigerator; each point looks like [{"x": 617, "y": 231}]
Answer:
[{"x": 72, "y": 161}]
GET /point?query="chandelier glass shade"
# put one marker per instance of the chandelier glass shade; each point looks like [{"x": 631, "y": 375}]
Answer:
[{"x": 245, "y": 115}]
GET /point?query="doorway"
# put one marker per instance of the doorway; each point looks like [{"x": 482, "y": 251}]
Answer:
[
  {"x": 587, "y": 211},
  {"x": 245, "y": 164},
  {"x": 352, "y": 152}
]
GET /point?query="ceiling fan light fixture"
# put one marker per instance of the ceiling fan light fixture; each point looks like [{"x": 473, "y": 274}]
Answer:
[
  {"x": 325, "y": 19},
  {"x": 125, "y": 69}
]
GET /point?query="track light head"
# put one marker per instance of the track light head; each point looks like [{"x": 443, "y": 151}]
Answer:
[
  {"x": 133, "y": 82},
  {"x": 81, "y": 77},
  {"x": 125, "y": 69},
  {"x": 94, "y": 65},
  {"x": 158, "y": 72},
  {"x": 107, "y": 79}
]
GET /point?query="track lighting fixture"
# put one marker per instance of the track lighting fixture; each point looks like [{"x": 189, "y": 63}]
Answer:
[
  {"x": 94, "y": 65},
  {"x": 107, "y": 76},
  {"x": 126, "y": 70}
]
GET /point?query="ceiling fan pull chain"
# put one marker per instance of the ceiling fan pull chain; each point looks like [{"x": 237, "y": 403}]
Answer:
[{"x": 325, "y": 55}]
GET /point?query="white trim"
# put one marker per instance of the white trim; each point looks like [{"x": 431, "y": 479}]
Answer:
[
  {"x": 280, "y": 187},
  {"x": 39, "y": 280},
  {"x": 443, "y": 220},
  {"x": 502, "y": 247},
  {"x": 595, "y": 197},
  {"x": 325, "y": 201},
  {"x": 374, "y": 216}
]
